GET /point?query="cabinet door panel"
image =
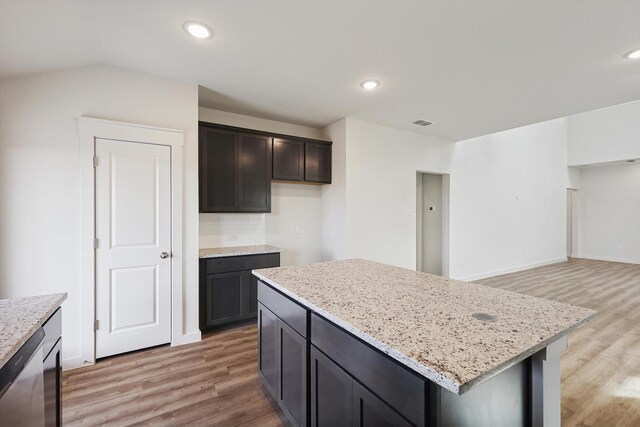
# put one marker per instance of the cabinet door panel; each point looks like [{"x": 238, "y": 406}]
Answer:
[
  {"x": 293, "y": 374},
  {"x": 218, "y": 170},
  {"x": 252, "y": 302},
  {"x": 268, "y": 348},
  {"x": 288, "y": 159},
  {"x": 317, "y": 163},
  {"x": 224, "y": 296},
  {"x": 53, "y": 386},
  {"x": 331, "y": 393},
  {"x": 255, "y": 173},
  {"x": 372, "y": 412}
]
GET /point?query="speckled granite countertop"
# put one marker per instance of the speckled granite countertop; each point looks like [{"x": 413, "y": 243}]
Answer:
[
  {"x": 21, "y": 317},
  {"x": 425, "y": 321},
  {"x": 238, "y": 250}
]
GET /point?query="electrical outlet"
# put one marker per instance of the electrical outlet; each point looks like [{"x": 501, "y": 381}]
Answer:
[{"x": 233, "y": 237}]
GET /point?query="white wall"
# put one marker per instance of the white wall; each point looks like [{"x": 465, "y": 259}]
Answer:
[
  {"x": 610, "y": 213},
  {"x": 294, "y": 224},
  {"x": 232, "y": 229},
  {"x": 507, "y": 196},
  {"x": 606, "y": 135},
  {"x": 40, "y": 184},
  {"x": 333, "y": 238},
  {"x": 381, "y": 165},
  {"x": 508, "y": 200}
]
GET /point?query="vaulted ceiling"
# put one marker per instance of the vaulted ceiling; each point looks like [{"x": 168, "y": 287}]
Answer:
[{"x": 470, "y": 67}]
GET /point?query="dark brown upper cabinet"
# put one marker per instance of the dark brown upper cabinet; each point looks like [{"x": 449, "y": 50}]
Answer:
[
  {"x": 234, "y": 171},
  {"x": 317, "y": 163},
  {"x": 302, "y": 161},
  {"x": 288, "y": 159}
]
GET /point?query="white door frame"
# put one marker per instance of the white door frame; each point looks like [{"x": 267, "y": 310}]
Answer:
[{"x": 88, "y": 130}]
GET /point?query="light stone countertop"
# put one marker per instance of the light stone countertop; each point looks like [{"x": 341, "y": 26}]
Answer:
[
  {"x": 424, "y": 321},
  {"x": 237, "y": 250},
  {"x": 21, "y": 317}
]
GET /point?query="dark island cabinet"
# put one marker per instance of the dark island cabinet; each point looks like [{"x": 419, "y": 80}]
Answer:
[
  {"x": 282, "y": 356},
  {"x": 228, "y": 290},
  {"x": 234, "y": 171},
  {"x": 331, "y": 393}
]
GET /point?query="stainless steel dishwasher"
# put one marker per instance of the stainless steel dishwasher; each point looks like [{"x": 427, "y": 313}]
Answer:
[{"x": 22, "y": 385}]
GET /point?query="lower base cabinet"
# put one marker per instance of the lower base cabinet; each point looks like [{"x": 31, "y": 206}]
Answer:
[
  {"x": 283, "y": 365},
  {"x": 339, "y": 400},
  {"x": 331, "y": 393},
  {"x": 228, "y": 290},
  {"x": 52, "y": 366}
]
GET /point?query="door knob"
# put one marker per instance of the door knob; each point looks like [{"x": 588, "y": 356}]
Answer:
[{"x": 164, "y": 255}]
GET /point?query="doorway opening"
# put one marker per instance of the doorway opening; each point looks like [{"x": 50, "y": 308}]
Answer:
[{"x": 432, "y": 223}]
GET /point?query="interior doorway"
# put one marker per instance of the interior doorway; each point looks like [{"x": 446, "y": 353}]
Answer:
[{"x": 432, "y": 223}]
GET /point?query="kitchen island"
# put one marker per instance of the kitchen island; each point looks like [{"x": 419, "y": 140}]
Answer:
[{"x": 356, "y": 342}]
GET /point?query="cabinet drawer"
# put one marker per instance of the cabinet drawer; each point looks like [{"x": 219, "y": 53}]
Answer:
[
  {"x": 243, "y": 262},
  {"x": 289, "y": 311},
  {"x": 52, "y": 331},
  {"x": 396, "y": 385}
]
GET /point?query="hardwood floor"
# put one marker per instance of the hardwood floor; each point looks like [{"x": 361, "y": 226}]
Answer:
[
  {"x": 215, "y": 382},
  {"x": 210, "y": 383},
  {"x": 601, "y": 367}
]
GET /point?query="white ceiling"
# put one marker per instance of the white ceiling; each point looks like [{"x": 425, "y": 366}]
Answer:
[{"x": 470, "y": 67}]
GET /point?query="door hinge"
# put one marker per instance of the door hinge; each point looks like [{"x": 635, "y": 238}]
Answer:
[
  {"x": 95, "y": 243},
  {"x": 95, "y": 325},
  {"x": 95, "y": 161}
]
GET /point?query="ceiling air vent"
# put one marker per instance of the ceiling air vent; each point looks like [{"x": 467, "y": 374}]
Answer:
[{"x": 421, "y": 123}]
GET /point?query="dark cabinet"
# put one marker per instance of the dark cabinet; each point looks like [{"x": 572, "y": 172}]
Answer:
[
  {"x": 268, "y": 348},
  {"x": 52, "y": 369},
  {"x": 52, "y": 377},
  {"x": 372, "y": 412},
  {"x": 288, "y": 160},
  {"x": 282, "y": 356},
  {"x": 255, "y": 173},
  {"x": 293, "y": 374},
  {"x": 219, "y": 159},
  {"x": 331, "y": 393},
  {"x": 317, "y": 163},
  {"x": 228, "y": 290},
  {"x": 224, "y": 297},
  {"x": 234, "y": 171}
]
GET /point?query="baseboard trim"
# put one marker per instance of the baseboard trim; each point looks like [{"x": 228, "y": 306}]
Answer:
[
  {"x": 610, "y": 259},
  {"x": 510, "y": 270},
  {"x": 72, "y": 363},
  {"x": 187, "y": 338}
]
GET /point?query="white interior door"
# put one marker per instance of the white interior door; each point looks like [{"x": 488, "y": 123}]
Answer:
[{"x": 133, "y": 232}]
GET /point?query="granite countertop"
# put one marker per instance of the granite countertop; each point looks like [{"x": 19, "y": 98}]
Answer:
[
  {"x": 237, "y": 250},
  {"x": 425, "y": 321},
  {"x": 21, "y": 317}
]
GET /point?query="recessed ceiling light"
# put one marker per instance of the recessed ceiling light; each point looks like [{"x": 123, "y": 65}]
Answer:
[
  {"x": 197, "y": 30},
  {"x": 634, "y": 54},
  {"x": 370, "y": 84}
]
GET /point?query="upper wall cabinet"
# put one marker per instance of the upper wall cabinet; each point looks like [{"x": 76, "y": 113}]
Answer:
[
  {"x": 236, "y": 166},
  {"x": 297, "y": 160},
  {"x": 317, "y": 163},
  {"x": 288, "y": 159},
  {"x": 235, "y": 171}
]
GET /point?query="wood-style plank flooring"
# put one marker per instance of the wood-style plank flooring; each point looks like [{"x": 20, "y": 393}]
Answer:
[
  {"x": 215, "y": 382},
  {"x": 601, "y": 367}
]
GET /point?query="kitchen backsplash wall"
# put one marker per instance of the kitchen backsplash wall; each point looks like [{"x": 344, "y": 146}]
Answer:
[{"x": 231, "y": 230}]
